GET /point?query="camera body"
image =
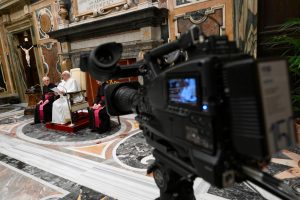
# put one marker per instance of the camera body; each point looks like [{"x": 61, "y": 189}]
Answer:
[
  {"x": 207, "y": 116},
  {"x": 222, "y": 119}
]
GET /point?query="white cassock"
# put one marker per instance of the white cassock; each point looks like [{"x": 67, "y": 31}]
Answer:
[{"x": 60, "y": 109}]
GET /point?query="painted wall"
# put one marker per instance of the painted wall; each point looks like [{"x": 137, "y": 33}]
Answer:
[
  {"x": 45, "y": 17},
  {"x": 213, "y": 16},
  {"x": 37, "y": 19}
]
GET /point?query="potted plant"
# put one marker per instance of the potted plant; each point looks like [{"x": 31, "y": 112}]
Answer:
[{"x": 289, "y": 41}]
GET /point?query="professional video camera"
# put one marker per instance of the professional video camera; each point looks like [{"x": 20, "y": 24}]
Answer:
[{"x": 215, "y": 113}]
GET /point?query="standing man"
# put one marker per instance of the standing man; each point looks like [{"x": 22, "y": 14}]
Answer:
[
  {"x": 60, "y": 110},
  {"x": 43, "y": 110}
]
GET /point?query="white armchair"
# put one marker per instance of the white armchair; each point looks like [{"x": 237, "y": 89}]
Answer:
[{"x": 74, "y": 104}]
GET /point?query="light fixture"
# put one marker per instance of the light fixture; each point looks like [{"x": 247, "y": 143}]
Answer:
[{"x": 25, "y": 36}]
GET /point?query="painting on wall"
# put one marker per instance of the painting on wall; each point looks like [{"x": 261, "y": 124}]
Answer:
[{"x": 45, "y": 21}]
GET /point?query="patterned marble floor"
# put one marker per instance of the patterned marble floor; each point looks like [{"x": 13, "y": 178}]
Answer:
[{"x": 36, "y": 163}]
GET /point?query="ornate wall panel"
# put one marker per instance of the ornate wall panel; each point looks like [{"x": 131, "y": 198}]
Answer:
[
  {"x": 50, "y": 59},
  {"x": 45, "y": 21},
  {"x": 210, "y": 20},
  {"x": 214, "y": 17},
  {"x": 81, "y": 9}
]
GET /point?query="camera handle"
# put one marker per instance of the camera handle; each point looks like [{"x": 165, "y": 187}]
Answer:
[{"x": 186, "y": 40}]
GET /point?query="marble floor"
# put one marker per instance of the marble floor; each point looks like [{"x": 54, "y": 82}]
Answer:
[{"x": 37, "y": 163}]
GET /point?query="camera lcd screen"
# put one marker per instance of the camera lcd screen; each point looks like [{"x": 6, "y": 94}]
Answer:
[{"x": 183, "y": 91}]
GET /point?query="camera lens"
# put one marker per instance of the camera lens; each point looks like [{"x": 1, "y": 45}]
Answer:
[{"x": 124, "y": 98}]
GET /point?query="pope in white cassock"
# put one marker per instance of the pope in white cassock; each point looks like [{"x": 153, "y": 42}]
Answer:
[{"x": 60, "y": 109}]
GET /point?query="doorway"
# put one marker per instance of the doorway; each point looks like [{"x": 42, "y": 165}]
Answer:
[
  {"x": 25, "y": 49},
  {"x": 23, "y": 75}
]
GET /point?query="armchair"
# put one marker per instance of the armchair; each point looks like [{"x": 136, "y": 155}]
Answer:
[{"x": 77, "y": 100}]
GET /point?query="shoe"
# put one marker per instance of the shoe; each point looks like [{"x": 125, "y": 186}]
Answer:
[{"x": 104, "y": 130}]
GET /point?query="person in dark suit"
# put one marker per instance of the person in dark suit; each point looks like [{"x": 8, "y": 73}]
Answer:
[
  {"x": 43, "y": 110},
  {"x": 99, "y": 119}
]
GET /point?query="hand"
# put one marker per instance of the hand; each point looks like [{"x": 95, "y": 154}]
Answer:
[
  {"x": 96, "y": 106},
  {"x": 61, "y": 92},
  {"x": 40, "y": 102},
  {"x": 47, "y": 101}
]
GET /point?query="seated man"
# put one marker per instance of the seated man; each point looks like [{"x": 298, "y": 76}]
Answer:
[
  {"x": 43, "y": 110},
  {"x": 60, "y": 109},
  {"x": 99, "y": 119}
]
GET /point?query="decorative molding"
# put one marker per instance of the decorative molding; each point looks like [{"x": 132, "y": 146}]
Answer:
[
  {"x": 85, "y": 8},
  {"x": 200, "y": 16},
  {"x": 183, "y": 3},
  {"x": 19, "y": 25},
  {"x": 48, "y": 45},
  {"x": 63, "y": 14},
  {"x": 45, "y": 21},
  {"x": 45, "y": 66},
  {"x": 126, "y": 22},
  {"x": 5, "y": 4},
  {"x": 58, "y": 66},
  {"x": 3, "y": 77}
]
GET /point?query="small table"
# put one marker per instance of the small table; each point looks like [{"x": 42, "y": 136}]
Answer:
[{"x": 33, "y": 99}]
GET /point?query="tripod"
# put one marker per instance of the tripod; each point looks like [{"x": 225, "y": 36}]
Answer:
[{"x": 172, "y": 185}]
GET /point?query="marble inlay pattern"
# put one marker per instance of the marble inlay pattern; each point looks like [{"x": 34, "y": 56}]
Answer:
[
  {"x": 14, "y": 119},
  {"x": 73, "y": 188},
  {"x": 16, "y": 185},
  {"x": 88, "y": 164},
  {"x": 103, "y": 177},
  {"x": 237, "y": 192},
  {"x": 284, "y": 165},
  {"x": 134, "y": 152},
  {"x": 40, "y": 132},
  {"x": 101, "y": 150},
  {"x": 11, "y": 111},
  {"x": 41, "y": 174},
  {"x": 6, "y": 109}
]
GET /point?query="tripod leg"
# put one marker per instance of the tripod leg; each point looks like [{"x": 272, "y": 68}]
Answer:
[{"x": 172, "y": 186}]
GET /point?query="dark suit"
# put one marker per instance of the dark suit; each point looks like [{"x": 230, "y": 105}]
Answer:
[{"x": 47, "y": 108}]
